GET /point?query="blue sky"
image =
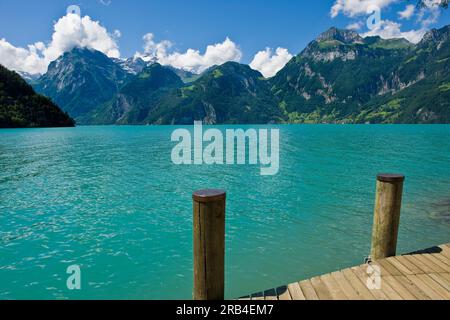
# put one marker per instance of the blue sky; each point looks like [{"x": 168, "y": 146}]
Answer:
[{"x": 252, "y": 25}]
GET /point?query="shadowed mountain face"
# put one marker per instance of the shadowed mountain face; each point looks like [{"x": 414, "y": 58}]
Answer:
[
  {"x": 137, "y": 97},
  {"x": 339, "y": 78},
  {"x": 231, "y": 93},
  {"x": 21, "y": 107}
]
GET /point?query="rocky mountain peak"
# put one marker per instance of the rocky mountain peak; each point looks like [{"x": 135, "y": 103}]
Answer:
[
  {"x": 132, "y": 65},
  {"x": 344, "y": 36},
  {"x": 436, "y": 35},
  {"x": 333, "y": 44},
  {"x": 80, "y": 80}
]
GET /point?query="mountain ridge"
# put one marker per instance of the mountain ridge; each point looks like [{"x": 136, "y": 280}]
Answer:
[{"x": 339, "y": 77}]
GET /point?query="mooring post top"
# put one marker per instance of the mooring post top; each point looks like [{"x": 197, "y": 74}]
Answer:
[
  {"x": 209, "y": 195},
  {"x": 389, "y": 177}
]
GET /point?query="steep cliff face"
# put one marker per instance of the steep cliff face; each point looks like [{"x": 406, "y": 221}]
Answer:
[
  {"x": 138, "y": 97},
  {"x": 333, "y": 44},
  {"x": 422, "y": 93},
  {"x": 337, "y": 74},
  {"x": 81, "y": 80}
]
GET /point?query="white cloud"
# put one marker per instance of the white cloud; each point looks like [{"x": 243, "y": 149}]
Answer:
[
  {"x": 154, "y": 51},
  {"x": 354, "y": 8},
  {"x": 355, "y": 26},
  {"x": 408, "y": 12},
  {"x": 69, "y": 32},
  {"x": 429, "y": 16},
  {"x": 388, "y": 30},
  {"x": 22, "y": 59},
  {"x": 191, "y": 60},
  {"x": 269, "y": 63}
]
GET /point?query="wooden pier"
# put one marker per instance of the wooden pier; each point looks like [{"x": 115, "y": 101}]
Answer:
[{"x": 423, "y": 275}]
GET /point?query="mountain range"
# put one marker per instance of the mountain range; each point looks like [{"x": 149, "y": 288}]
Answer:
[{"x": 339, "y": 77}]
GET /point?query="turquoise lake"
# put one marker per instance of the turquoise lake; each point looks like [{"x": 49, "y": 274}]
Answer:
[{"x": 110, "y": 200}]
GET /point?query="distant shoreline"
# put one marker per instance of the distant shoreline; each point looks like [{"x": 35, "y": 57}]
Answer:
[{"x": 224, "y": 125}]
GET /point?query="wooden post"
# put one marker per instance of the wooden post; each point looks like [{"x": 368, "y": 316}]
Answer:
[
  {"x": 387, "y": 215},
  {"x": 209, "y": 245}
]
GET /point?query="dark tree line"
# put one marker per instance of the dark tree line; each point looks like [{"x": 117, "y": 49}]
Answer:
[{"x": 21, "y": 107}]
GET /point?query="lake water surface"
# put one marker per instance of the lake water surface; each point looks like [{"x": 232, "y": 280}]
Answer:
[{"x": 110, "y": 200}]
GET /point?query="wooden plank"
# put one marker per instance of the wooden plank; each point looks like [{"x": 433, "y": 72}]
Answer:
[
  {"x": 383, "y": 269},
  {"x": 430, "y": 264},
  {"x": 389, "y": 291},
  {"x": 296, "y": 292},
  {"x": 390, "y": 271},
  {"x": 445, "y": 250},
  {"x": 308, "y": 290},
  {"x": 446, "y": 276},
  {"x": 401, "y": 290},
  {"x": 412, "y": 288},
  {"x": 424, "y": 287},
  {"x": 379, "y": 294},
  {"x": 445, "y": 267},
  {"x": 412, "y": 267},
  {"x": 436, "y": 285},
  {"x": 394, "y": 270},
  {"x": 321, "y": 289},
  {"x": 283, "y": 293},
  {"x": 401, "y": 285},
  {"x": 346, "y": 287},
  {"x": 417, "y": 262},
  {"x": 442, "y": 258},
  {"x": 388, "y": 268},
  {"x": 333, "y": 287},
  {"x": 440, "y": 278},
  {"x": 358, "y": 285},
  {"x": 400, "y": 266}
]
